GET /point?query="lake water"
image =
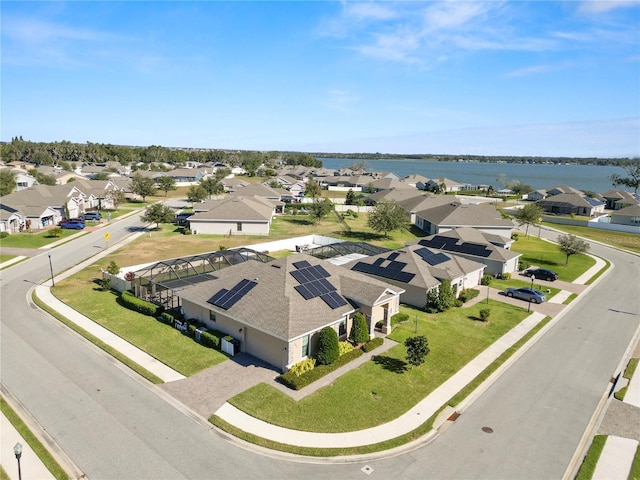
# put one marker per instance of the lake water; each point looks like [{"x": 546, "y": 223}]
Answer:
[{"x": 583, "y": 177}]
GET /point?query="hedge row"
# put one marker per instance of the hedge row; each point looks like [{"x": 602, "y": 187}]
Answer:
[
  {"x": 132, "y": 302},
  {"x": 399, "y": 318},
  {"x": 468, "y": 294},
  {"x": 373, "y": 343},
  {"x": 296, "y": 383}
]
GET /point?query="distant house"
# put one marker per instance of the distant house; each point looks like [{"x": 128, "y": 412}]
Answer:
[
  {"x": 416, "y": 181},
  {"x": 536, "y": 195},
  {"x": 231, "y": 184},
  {"x": 275, "y": 310},
  {"x": 455, "y": 214},
  {"x": 618, "y": 199},
  {"x": 490, "y": 250},
  {"x": 259, "y": 190},
  {"x": 188, "y": 176},
  {"x": 571, "y": 203},
  {"x": 449, "y": 185},
  {"x": 627, "y": 216},
  {"x": 560, "y": 189},
  {"x": 234, "y": 215},
  {"x": 22, "y": 178},
  {"x": 417, "y": 269},
  {"x": 10, "y": 220}
]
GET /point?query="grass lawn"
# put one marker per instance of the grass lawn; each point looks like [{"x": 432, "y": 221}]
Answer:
[
  {"x": 590, "y": 461},
  {"x": 385, "y": 387},
  {"x": 34, "y": 240},
  {"x": 6, "y": 258},
  {"x": 547, "y": 255},
  {"x": 160, "y": 341},
  {"x": 626, "y": 241}
]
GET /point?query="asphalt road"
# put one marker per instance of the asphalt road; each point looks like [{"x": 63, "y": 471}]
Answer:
[{"x": 117, "y": 426}]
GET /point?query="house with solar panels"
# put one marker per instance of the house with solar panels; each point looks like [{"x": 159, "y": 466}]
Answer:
[
  {"x": 275, "y": 309},
  {"x": 417, "y": 269},
  {"x": 494, "y": 251}
]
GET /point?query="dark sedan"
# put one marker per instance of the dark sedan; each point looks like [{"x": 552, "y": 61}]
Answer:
[{"x": 542, "y": 274}]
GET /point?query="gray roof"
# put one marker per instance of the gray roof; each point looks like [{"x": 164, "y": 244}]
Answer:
[
  {"x": 42, "y": 196},
  {"x": 631, "y": 211},
  {"x": 458, "y": 214},
  {"x": 570, "y": 199},
  {"x": 259, "y": 190},
  {"x": 468, "y": 239},
  {"x": 236, "y": 208},
  {"x": 424, "y": 275},
  {"x": 274, "y": 306}
]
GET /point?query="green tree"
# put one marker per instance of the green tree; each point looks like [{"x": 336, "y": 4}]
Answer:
[
  {"x": 350, "y": 197},
  {"x": 101, "y": 176},
  {"x": 386, "y": 217},
  {"x": 113, "y": 268},
  {"x": 328, "y": 349},
  {"x": 632, "y": 179},
  {"x": 312, "y": 189},
  {"x": 142, "y": 186},
  {"x": 166, "y": 183},
  {"x": 359, "y": 329},
  {"x": 530, "y": 214},
  {"x": 196, "y": 193},
  {"x": 7, "y": 181},
  {"x": 44, "y": 179},
  {"x": 570, "y": 245},
  {"x": 320, "y": 209},
  {"x": 116, "y": 197},
  {"x": 158, "y": 213},
  {"x": 222, "y": 173},
  {"x": 417, "y": 349},
  {"x": 442, "y": 298},
  {"x": 212, "y": 186}
]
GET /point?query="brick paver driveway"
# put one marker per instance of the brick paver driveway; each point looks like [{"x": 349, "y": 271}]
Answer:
[{"x": 208, "y": 390}]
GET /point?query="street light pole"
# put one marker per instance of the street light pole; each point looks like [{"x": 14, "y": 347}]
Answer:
[
  {"x": 17, "y": 450},
  {"x": 51, "y": 269},
  {"x": 533, "y": 277}
]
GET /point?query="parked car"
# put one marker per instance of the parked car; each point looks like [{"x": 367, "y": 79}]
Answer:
[
  {"x": 541, "y": 274},
  {"x": 74, "y": 225},
  {"x": 92, "y": 216},
  {"x": 527, "y": 294},
  {"x": 67, "y": 220}
]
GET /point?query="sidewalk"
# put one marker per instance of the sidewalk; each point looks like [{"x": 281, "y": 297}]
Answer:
[{"x": 31, "y": 466}]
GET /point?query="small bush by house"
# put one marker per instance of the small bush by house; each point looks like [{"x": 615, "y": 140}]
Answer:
[{"x": 372, "y": 344}]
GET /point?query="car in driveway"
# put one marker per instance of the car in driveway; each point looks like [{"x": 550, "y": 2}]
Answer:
[
  {"x": 541, "y": 274},
  {"x": 92, "y": 216},
  {"x": 73, "y": 224},
  {"x": 528, "y": 294}
]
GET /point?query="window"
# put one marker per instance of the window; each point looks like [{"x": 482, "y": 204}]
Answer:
[
  {"x": 635, "y": 220},
  {"x": 342, "y": 329},
  {"x": 305, "y": 346},
  {"x": 239, "y": 226},
  {"x": 212, "y": 315}
]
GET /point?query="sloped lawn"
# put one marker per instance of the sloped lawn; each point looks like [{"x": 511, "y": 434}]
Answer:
[{"x": 384, "y": 388}]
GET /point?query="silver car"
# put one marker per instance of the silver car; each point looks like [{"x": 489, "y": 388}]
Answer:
[{"x": 528, "y": 294}]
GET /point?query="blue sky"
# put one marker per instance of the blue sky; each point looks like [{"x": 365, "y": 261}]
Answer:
[{"x": 488, "y": 78}]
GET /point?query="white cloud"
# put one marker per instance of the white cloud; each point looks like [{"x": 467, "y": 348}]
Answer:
[
  {"x": 369, "y": 10},
  {"x": 528, "y": 71},
  {"x": 602, "y": 6}
]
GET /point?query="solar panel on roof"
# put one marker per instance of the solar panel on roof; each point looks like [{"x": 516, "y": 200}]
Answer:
[
  {"x": 334, "y": 300},
  {"x": 298, "y": 276},
  {"x": 437, "y": 259},
  {"x": 396, "y": 265},
  {"x": 327, "y": 284},
  {"x": 228, "y": 298},
  {"x": 313, "y": 288},
  {"x": 379, "y": 262},
  {"x": 321, "y": 272},
  {"x": 302, "y": 290},
  {"x": 301, "y": 264},
  {"x": 393, "y": 256}
]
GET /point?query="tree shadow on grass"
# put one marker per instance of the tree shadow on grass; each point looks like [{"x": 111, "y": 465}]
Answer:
[
  {"x": 299, "y": 221},
  {"x": 361, "y": 236},
  {"x": 391, "y": 364},
  {"x": 476, "y": 319}
]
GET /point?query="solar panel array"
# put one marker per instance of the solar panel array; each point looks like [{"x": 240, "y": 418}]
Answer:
[
  {"x": 228, "y": 298},
  {"x": 451, "y": 245},
  {"x": 313, "y": 283},
  {"x": 430, "y": 257},
  {"x": 392, "y": 270}
]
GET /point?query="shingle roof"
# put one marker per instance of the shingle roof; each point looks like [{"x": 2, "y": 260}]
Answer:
[
  {"x": 457, "y": 214},
  {"x": 274, "y": 306},
  {"x": 468, "y": 238},
  {"x": 236, "y": 208},
  {"x": 569, "y": 199}
]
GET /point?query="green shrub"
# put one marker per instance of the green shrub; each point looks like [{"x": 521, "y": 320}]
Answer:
[
  {"x": 371, "y": 344},
  {"x": 4, "y": 234},
  {"x": 485, "y": 313},
  {"x": 486, "y": 280},
  {"x": 514, "y": 236},
  {"x": 186, "y": 231},
  {"x": 132, "y": 302},
  {"x": 523, "y": 265},
  {"x": 297, "y": 383},
  {"x": 505, "y": 276},
  {"x": 303, "y": 367},
  {"x": 167, "y": 318},
  {"x": 328, "y": 349},
  {"x": 211, "y": 339},
  {"x": 344, "y": 347},
  {"x": 113, "y": 268},
  {"x": 379, "y": 324},
  {"x": 458, "y": 303},
  {"x": 399, "y": 318},
  {"x": 468, "y": 294},
  {"x": 359, "y": 330}
]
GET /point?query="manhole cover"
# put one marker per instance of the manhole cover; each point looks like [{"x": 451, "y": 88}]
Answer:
[{"x": 487, "y": 429}]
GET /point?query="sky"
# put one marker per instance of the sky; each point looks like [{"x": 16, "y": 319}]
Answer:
[{"x": 540, "y": 78}]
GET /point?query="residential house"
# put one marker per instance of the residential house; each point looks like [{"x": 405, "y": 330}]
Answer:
[
  {"x": 275, "y": 310},
  {"x": 417, "y": 269},
  {"x": 484, "y": 217},
  {"x": 234, "y": 215},
  {"x": 571, "y": 204},
  {"x": 11, "y": 221},
  {"x": 618, "y": 199},
  {"x": 536, "y": 195},
  {"x": 416, "y": 181},
  {"x": 416, "y": 203},
  {"x": 22, "y": 178},
  {"x": 449, "y": 185},
  {"x": 560, "y": 189},
  {"x": 188, "y": 176},
  {"x": 232, "y": 184},
  {"x": 491, "y": 250},
  {"x": 627, "y": 216},
  {"x": 260, "y": 190}
]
